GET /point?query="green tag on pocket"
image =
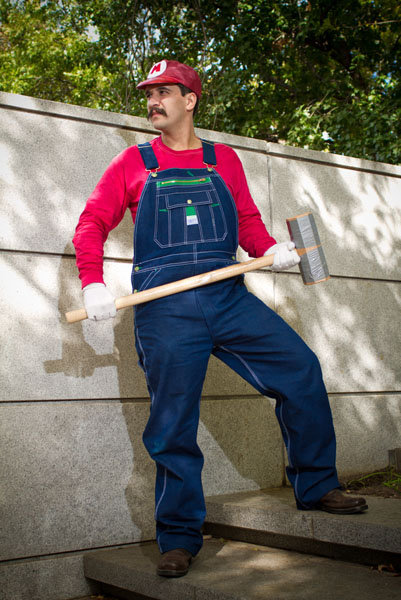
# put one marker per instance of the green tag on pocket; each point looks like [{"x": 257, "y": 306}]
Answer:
[{"x": 192, "y": 219}]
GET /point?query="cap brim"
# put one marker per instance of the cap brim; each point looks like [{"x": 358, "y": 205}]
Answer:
[{"x": 156, "y": 80}]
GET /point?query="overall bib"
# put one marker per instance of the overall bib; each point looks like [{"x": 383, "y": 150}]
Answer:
[{"x": 187, "y": 224}]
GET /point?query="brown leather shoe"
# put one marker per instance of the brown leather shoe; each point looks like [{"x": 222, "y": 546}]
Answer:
[
  {"x": 340, "y": 504},
  {"x": 174, "y": 563}
]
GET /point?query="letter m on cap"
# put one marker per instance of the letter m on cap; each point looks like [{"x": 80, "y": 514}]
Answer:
[{"x": 157, "y": 69}]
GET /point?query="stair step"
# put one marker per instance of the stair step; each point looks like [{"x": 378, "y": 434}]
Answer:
[
  {"x": 229, "y": 570},
  {"x": 270, "y": 517}
]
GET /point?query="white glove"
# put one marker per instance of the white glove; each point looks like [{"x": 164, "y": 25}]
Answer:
[
  {"x": 285, "y": 256},
  {"x": 99, "y": 302}
]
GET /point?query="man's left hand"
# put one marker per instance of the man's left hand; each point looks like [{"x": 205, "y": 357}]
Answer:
[{"x": 285, "y": 256}]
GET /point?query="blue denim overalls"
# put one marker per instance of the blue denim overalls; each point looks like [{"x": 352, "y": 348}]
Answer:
[{"x": 187, "y": 224}]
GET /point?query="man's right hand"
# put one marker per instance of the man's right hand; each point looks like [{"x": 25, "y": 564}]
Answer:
[{"x": 99, "y": 302}]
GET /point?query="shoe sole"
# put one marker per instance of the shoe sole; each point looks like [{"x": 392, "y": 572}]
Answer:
[
  {"x": 345, "y": 511},
  {"x": 163, "y": 573}
]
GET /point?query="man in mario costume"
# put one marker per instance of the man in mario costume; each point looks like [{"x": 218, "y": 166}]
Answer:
[{"x": 191, "y": 206}]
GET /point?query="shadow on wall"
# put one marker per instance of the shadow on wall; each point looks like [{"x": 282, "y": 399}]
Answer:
[
  {"x": 78, "y": 357},
  {"x": 81, "y": 358},
  {"x": 139, "y": 492},
  {"x": 359, "y": 214},
  {"x": 48, "y": 167},
  {"x": 352, "y": 321}
]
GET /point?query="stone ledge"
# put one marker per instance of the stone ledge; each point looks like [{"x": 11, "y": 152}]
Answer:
[
  {"x": 236, "y": 571},
  {"x": 134, "y": 123},
  {"x": 72, "y": 111},
  {"x": 334, "y": 160},
  {"x": 363, "y": 556},
  {"x": 75, "y": 112},
  {"x": 274, "y": 512}
]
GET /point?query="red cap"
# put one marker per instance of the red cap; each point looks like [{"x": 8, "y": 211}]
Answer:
[{"x": 172, "y": 71}]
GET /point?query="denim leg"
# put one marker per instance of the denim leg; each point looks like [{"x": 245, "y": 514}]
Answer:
[
  {"x": 174, "y": 346},
  {"x": 260, "y": 346}
]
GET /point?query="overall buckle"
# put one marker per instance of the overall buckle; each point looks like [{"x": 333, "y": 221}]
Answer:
[{"x": 153, "y": 172}]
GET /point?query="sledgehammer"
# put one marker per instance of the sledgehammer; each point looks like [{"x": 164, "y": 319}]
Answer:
[{"x": 304, "y": 234}]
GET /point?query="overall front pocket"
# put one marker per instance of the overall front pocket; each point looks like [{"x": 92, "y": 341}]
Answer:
[
  {"x": 190, "y": 215},
  {"x": 141, "y": 280}
]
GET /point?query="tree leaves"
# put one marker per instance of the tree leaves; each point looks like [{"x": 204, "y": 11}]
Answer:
[{"x": 319, "y": 74}]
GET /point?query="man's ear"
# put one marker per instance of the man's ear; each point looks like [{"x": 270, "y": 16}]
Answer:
[{"x": 191, "y": 99}]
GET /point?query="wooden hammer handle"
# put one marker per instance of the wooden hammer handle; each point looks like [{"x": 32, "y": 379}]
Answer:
[{"x": 183, "y": 284}]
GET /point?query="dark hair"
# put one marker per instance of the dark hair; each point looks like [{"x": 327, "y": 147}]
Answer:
[{"x": 184, "y": 91}]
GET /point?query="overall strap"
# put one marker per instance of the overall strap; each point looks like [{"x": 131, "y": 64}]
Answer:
[
  {"x": 148, "y": 156},
  {"x": 150, "y": 160},
  {"x": 209, "y": 154}
]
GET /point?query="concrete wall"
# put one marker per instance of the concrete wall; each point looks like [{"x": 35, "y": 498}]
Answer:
[{"x": 73, "y": 404}]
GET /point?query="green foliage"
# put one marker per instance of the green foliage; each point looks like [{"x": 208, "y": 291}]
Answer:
[
  {"x": 48, "y": 54},
  {"x": 388, "y": 477},
  {"x": 317, "y": 74}
]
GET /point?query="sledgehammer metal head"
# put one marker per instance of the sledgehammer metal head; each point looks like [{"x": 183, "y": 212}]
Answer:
[{"x": 304, "y": 234}]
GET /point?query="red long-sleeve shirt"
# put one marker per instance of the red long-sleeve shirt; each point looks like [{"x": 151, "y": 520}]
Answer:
[{"x": 120, "y": 188}]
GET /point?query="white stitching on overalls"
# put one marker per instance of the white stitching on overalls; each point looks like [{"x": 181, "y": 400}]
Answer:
[
  {"x": 212, "y": 195},
  {"x": 246, "y": 365},
  {"x": 144, "y": 366},
  {"x": 267, "y": 390},
  {"x": 187, "y": 262},
  {"x": 158, "y": 504},
  {"x": 163, "y": 492}
]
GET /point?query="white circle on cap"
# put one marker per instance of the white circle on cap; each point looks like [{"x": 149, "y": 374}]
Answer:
[{"x": 157, "y": 69}]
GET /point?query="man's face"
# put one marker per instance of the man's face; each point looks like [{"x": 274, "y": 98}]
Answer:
[{"x": 167, "y": 107}]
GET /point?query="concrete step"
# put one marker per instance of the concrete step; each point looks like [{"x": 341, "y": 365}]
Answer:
[
  {"x": 227, "y": 570},
  {"x": 270, "y": 517}
]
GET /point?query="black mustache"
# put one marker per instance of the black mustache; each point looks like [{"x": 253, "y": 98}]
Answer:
[{"x": 156, "y": 110}]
